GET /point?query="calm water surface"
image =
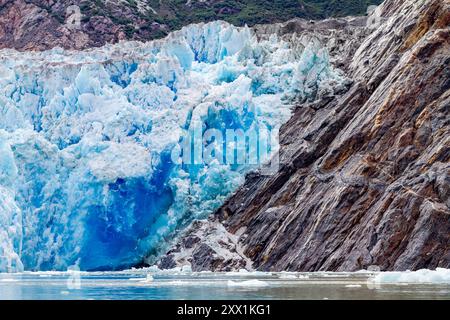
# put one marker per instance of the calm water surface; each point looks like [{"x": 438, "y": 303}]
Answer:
[{"x": 185, "y": 286}]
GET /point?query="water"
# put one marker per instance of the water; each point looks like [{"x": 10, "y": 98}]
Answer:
[{"x": 234, "y": 286}]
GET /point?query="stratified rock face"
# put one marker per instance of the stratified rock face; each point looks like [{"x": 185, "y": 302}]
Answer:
[{"x": 365, "y": 177}]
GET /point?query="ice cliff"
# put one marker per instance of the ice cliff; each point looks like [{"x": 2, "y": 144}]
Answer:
[{"x": 86, "y": 138}]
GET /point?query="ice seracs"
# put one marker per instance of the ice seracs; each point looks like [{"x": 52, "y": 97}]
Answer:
[{"x": 86, "y": 139}]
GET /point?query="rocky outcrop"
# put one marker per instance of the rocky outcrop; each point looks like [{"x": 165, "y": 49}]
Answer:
[
  {"x": 45, "y": 24},
  {"x": 364, "y": 177}
]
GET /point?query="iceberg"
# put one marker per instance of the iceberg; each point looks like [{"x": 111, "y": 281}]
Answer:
[
  {"x": 87, "y": 176},
  {"x": 438, "y": 276}
]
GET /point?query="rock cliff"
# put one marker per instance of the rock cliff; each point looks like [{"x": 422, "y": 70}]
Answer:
[{"x": 82, "y": 24}]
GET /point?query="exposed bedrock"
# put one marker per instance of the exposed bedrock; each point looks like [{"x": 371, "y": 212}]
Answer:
[{"x": 365, "y": 176}]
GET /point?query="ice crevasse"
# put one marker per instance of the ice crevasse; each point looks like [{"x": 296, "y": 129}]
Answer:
[{"x": 86, "y": 176}]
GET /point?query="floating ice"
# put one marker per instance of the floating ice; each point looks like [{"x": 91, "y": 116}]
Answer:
[
  {"x": 86, "y": 137},
  {"x": 437, "y": 276}
]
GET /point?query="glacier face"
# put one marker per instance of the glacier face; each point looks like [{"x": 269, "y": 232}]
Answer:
[{"x": 86, "y": 138}]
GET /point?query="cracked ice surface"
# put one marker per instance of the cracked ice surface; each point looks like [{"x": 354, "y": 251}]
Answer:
[{"x": 86, "y": 137}]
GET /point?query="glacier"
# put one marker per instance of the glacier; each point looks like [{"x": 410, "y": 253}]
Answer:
[{"x": 86, "y": 137}]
